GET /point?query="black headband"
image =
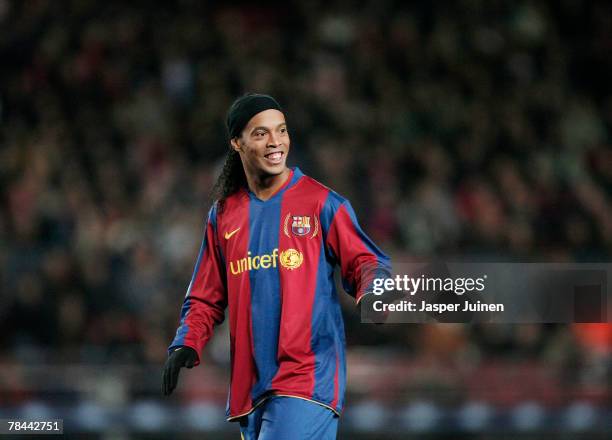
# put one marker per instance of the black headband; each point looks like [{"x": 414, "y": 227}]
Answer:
[{"x": 244, "y": 108}]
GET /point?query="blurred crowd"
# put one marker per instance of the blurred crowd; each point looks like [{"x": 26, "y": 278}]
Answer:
[{"x": 469, "y": 128}]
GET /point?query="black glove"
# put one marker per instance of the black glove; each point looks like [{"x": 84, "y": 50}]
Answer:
[
  {"x": 179, "y": 358},
  {"x": 366, "y": 307}
]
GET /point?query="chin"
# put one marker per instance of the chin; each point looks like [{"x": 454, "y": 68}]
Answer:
[{"x": 273, "y": 170}]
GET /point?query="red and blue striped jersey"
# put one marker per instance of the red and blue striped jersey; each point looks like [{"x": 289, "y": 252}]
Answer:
[{"x": 272, "y": 263}]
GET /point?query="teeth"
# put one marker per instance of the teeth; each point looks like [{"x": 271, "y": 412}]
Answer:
[{"x": 274, "y": 156}]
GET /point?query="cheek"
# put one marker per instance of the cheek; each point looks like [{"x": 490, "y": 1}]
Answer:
[{"x": 255, "y": 150}]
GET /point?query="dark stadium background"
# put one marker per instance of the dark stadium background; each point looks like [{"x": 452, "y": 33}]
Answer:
[{"x": 470, "y": 128}]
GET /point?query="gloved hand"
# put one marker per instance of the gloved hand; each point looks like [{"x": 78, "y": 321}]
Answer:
[
  {"x": 179, "y": 358},
  {"x": 366, "y": 308}
]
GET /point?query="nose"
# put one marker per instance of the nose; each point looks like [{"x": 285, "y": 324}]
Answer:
[{"x": 274, "y": 140}]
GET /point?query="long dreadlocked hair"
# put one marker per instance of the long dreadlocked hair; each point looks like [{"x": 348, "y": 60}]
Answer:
[{"x": 231, "y": 179}]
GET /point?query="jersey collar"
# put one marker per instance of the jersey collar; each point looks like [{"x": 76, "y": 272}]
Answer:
[{"x": 295, "y": 175}]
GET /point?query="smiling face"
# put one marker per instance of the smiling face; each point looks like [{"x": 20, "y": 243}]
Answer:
[{"x": 264, "y": 144}]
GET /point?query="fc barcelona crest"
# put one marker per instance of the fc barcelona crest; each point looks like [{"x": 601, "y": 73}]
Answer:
[{"x": 301, "y": 225}]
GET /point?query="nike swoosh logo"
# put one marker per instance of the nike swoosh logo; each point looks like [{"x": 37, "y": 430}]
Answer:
[{"x": 228, "y": 235}]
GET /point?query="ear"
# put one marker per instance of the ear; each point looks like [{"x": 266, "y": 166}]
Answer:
[{"x": 235, "y": 144}]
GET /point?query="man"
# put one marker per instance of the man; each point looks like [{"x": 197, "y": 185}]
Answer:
[{"x": 271, "y": 242}]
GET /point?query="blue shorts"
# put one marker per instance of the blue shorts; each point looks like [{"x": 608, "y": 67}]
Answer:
[{"x": 282, "y": 418}]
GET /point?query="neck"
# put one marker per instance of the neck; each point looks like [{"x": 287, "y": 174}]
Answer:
[{"x": 265, "y": 186}]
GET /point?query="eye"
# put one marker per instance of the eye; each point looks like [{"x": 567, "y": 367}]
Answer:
[{"x": 283, "y": 130}]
